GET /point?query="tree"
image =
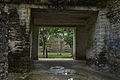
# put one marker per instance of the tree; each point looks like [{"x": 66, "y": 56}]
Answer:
[{"x": 43, "y": 35}]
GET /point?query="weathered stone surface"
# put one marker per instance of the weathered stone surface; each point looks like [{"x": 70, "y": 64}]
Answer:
[
  {"x": 113, "y": 39},
  {"x": 107, "y": 41},
  {"x": 61, "y": 3},
  {"x": 3, "y": 43},
  {"x": 102, "y": 28},
  {"x": 57, "y": 45},
  {"x": 18, "y": 42}
]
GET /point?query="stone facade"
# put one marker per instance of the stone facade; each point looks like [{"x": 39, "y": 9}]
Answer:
[{"x": 57, "y": 45}]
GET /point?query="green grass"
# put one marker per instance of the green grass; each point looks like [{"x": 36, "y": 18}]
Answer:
[{"x": 56, "y": 55}]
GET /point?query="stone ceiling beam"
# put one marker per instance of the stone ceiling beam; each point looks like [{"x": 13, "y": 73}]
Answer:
[
  {"x": 59, "y": 3},
  {"x": 63, "y": 17}
]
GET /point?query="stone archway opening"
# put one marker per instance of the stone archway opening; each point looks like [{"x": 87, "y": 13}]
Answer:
[
  {"x": 55, "y": 43},
  {"x": 82, "y": 20},
  {"x": 59, "y": 43}
]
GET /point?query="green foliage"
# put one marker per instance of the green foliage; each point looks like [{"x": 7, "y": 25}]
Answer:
[
  {"x": 69, "y": 37},
  {"x": 40, "y": 42}
]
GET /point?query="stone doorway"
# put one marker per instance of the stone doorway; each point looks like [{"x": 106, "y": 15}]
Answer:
[
  {"x": 80, "y": 20},
  {"x": 38, "y": 50}
]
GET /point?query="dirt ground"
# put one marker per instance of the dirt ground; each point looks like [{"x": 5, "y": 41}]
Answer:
[{"x": 61, "y": 69}]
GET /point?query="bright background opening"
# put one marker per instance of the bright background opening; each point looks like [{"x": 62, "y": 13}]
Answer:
[{"x": 55, "y": 43}]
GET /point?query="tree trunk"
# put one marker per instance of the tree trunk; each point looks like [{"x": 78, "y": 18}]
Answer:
[
  {"x": 60, "y": 48},
  {"x": 46, "y": 52},
  {"x": 72, "y": 51},
  {"x": 43, "y": 48}
]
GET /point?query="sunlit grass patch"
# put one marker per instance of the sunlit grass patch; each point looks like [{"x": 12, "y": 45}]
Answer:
[{"x": 56, "y": 55}]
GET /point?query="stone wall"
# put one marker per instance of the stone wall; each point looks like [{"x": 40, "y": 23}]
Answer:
[
  {"x": 18, "y": 40},
  {"x": 100, "y": 32},
  {"x": 3, "y": 43},
  {"x": 113, "y": 39},
  {"x": 105, "y": 54},
  {"x": 60, "y": 4}
]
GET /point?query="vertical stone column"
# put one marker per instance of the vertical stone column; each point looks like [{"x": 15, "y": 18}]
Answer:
[
  {"x": 101, "y": 30},
  {"x": 74, "y": 44},
  {"x": 35, "y": 33},
  {"x": 98, "y": 54},
  {"x": 3, "y": 43},
  {"x": 102, "y": 27},
  {"x": 82, "y": 42}
]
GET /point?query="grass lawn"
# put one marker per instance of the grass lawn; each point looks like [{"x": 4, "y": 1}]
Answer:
[{"x": 56, "y": 55}]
